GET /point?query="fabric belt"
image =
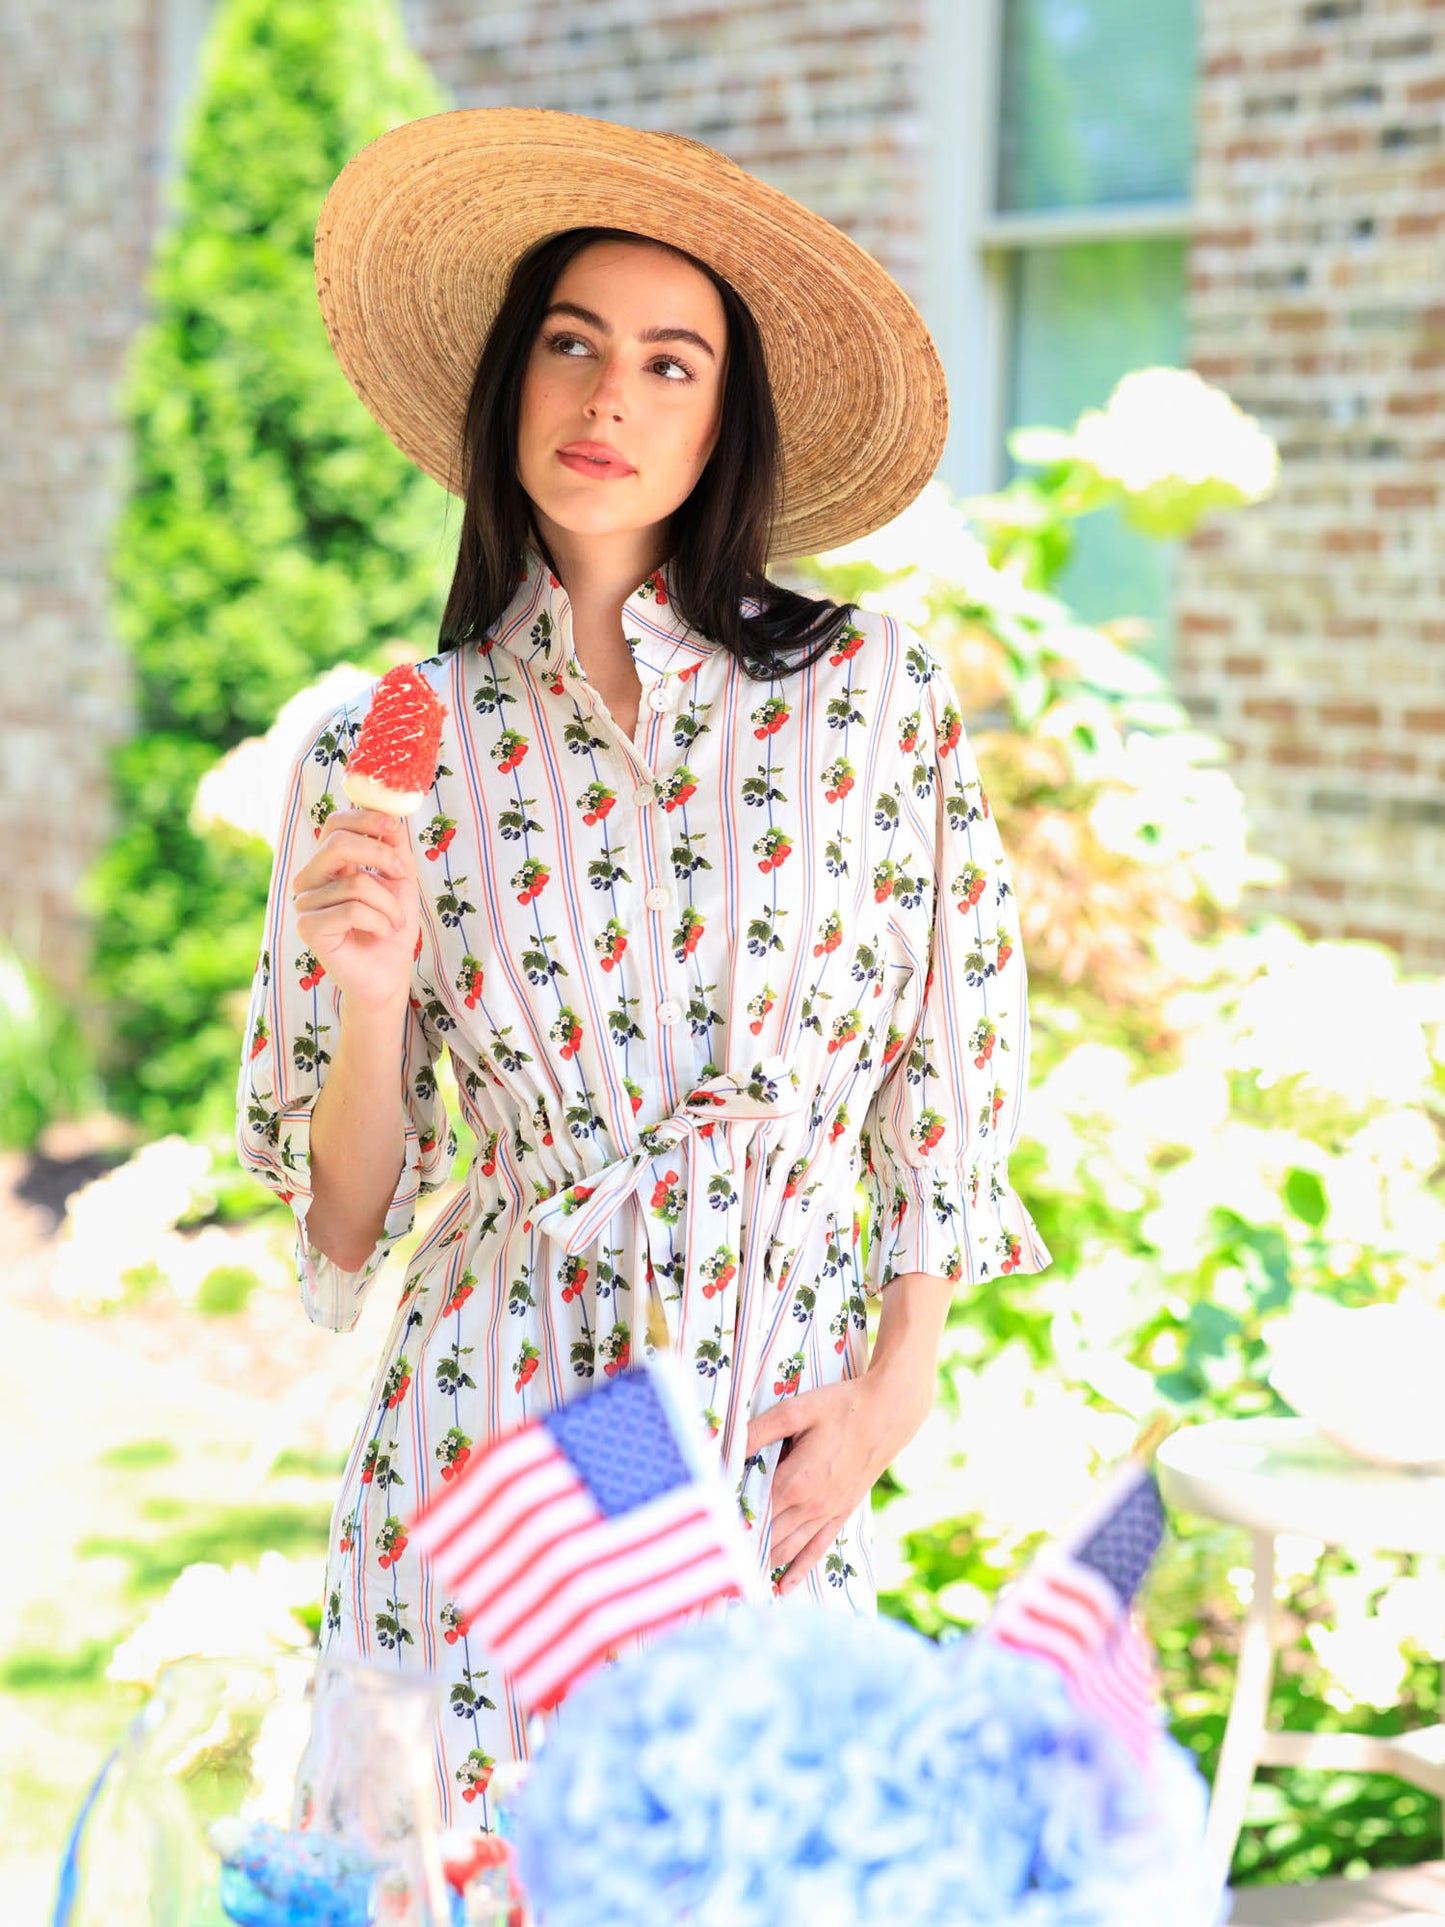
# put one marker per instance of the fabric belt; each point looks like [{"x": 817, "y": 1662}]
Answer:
[{"x": 706, "y": 1165}]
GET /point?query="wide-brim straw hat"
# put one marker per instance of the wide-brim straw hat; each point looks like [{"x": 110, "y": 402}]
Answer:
[{"x": 419, "y": 234}]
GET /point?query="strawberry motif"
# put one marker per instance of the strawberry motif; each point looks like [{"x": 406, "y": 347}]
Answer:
[
  {"x": 830, "y": 934},
  {"x": 950, "y": 733},
  {"x": 789, "y": 1375},
  {"x": 508, "y": 750},
  {"x": 260, "y": 1037},
  {"x": 679, "y": 788},
  {"x": 768, "y": 718},
  {"x": 438, "y": 837},
  {"x": 847, "y": 643},
  {"x": 969, "y": 885},
  {"x": 837, "y": 778},
  {"x": 928, "y": 1129},
  {"x": 398, "y": 1378},
  {"x": 596, "y": 802},
  {"x": 758, "y": 1008},
  {"x": 525, "y": 1364},
  {"x": 981, "y": 1043},
  {"x": 610, "y": 943},
  {"x": 565, "y": 1031},
  {"x": 531, "y": 880},
  {"x": 469, "y": 981},
  {"x": 773, "y": 848}
]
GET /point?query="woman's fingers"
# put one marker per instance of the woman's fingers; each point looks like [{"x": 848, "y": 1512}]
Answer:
[
  {"x": 358, "y": 888},
  {"x": 814, "y": 1549},
  {"x": 344, "y": 920},
  {"x": 347, "y": 850}
]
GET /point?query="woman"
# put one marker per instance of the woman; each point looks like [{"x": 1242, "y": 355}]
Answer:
[{"x": 706, "y": 904}]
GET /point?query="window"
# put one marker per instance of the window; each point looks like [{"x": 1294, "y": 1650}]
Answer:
[{"x": 1075, "y": 208}]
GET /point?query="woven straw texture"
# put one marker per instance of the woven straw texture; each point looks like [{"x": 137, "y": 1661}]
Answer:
[{"x": 419, "y": 234}]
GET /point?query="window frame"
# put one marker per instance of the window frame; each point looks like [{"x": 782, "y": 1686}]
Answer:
[{"x": 972, "y": 246}]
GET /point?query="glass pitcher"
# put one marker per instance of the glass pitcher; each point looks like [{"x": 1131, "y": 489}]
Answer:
[{"x": 229, "y": 1758}]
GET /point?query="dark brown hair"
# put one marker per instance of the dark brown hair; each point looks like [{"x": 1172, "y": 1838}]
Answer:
[{"x": 720, "y": 534}]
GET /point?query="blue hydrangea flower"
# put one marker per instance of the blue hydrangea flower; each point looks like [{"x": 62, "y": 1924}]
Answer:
[{"x": 758, "y": 1766}]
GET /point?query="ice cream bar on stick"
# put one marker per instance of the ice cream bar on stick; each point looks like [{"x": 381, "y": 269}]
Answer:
[{"x": 394, "y": 762}]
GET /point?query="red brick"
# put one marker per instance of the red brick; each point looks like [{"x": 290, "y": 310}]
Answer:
[
  {"x": 1406, "y": 495},
  {"x": 1360, "y": 715},
  {"x": 1350, "y": 628},
  {"x": 1353, "y": 541},
  {"x": 1196, "y": 622},
  {"x": 1420, "y": 722},
  {"x": 1270, "y": 709},
  {"x": 1241, "y": 667},
  {"x": 1296, "y": 755},
  {"x": 1427, "y": 402},
  {"x": 1336, "y": 140},
  {"x": 1298, "y": 320},
  {"x": 1421, "y": 92}
]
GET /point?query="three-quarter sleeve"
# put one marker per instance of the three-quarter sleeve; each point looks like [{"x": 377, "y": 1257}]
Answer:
[
  {"x": 940, "y": 1126},
  {"x": 291, "y": 1029}
]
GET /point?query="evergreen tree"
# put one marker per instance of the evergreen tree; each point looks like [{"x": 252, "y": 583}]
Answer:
[{"x": 270, "y": 529}]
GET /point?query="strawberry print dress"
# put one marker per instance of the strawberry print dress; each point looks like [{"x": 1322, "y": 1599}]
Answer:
[{"x": 704, "y": 990}]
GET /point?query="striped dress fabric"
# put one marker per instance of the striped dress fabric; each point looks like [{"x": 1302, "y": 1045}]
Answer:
[{"x": 706, "y": 991}]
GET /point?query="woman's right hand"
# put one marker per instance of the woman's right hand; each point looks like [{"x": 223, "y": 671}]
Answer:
[{"x": 361, "y": 927}]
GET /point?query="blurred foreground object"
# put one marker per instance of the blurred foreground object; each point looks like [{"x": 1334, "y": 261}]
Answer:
[
  {"x": 570, "y": 1535},
  {"x": 794, "y": 1763},
  {"x": 797, "y": 1763},
  {"x": 267, "y": 1792}
]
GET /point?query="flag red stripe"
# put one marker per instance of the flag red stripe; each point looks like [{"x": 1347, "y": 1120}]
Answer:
[
  {"x": 522, "y": 1559},
  {"x": 559, "y": 1667},
  {"x": 477, "y": 1508},
  {"x": 559, "y": 1687},
  {"x": 623, "y": 1548},
  {"x": 637, "y": 1590},
  {"x": 516, "y": 1446}
]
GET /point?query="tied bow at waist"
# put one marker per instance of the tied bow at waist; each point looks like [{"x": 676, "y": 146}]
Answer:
[{"x": 697, "y": 1209}]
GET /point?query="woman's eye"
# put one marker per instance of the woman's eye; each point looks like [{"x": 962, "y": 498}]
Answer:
[{"x": 563, "y": 344}]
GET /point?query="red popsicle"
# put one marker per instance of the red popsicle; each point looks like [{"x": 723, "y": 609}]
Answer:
[{"x": 394, "y": 762}]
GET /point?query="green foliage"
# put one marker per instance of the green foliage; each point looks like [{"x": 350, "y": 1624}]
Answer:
[
  {"x": 225, "y": 1290},
  {"x": 46, "y": 1071},
  {"x": 1224, "y": 1120},
  {"x": 271, "y": 530}
]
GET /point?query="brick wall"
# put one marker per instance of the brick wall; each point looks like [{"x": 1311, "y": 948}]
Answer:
[
  {"x": 1312, "y": 629},
  {"x": 822, "y": 100},
  {"x": 79, "y": 124}
]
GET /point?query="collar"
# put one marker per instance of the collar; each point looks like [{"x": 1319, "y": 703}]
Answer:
[{"x": 537, "y": 625}]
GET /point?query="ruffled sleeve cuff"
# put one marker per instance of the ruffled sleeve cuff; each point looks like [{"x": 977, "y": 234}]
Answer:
[
  {"x": 331, "y": 1296},
  {"x": 965, "y": 1223}
]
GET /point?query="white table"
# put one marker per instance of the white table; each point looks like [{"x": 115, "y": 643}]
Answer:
[{"x": 1280, "y": 1475}]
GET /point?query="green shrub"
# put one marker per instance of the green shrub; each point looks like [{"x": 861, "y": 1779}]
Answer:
[
  {"x": 270, "y": 530},
  {"x": 46, "y": 1068}
]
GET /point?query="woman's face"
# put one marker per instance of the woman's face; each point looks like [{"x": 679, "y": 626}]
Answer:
[{"x": 630, "y": 357}]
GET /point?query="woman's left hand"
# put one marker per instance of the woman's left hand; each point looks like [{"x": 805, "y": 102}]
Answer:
[{"x": 843, "y": 1438}]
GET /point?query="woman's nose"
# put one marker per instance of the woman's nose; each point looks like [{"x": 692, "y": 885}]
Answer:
[{"x": 607, "y": 395}]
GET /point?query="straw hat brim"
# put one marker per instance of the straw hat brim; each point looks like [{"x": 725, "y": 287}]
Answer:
[{"x": 419, "y": 234}]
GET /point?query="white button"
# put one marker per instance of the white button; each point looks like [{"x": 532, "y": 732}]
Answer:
[
  {"x": 669, "y": 1012},
  {"x": 657, "y": 697},
  {"x": 643, "y": 795},
  {"x": 658, "y": 897}
]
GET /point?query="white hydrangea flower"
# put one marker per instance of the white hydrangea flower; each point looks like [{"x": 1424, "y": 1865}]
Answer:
[
  {"x": 245, "y": 790},
  {"x": 214, "y": 1612},
  {"x": 1169, "y": 425}
]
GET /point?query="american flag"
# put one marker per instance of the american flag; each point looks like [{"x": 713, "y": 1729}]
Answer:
[
  {"x": 1072, "y": 1607},
  {"x": 579, "y": 1530}
]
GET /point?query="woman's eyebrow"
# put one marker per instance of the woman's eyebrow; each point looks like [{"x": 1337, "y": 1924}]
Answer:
[{"x": 648, "y": 334}]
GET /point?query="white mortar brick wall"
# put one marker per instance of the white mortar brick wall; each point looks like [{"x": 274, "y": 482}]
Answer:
[
  {"x": 1312, "y": 629},
  {"x": 78, "y": 114}
]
